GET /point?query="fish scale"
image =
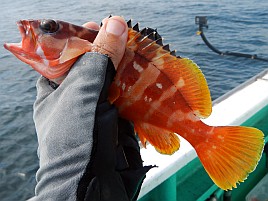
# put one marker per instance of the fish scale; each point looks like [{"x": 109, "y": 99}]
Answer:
[{"x": 164, "y": 95}]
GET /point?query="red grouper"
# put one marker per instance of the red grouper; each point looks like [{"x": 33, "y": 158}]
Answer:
[{"x": 169, "y": 94}]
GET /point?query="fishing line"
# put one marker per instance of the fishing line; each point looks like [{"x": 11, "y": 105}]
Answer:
[{"x": 202, "y": 22}]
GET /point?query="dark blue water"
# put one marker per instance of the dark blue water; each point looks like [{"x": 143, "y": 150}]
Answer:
[{"x": 239, "y": 25}]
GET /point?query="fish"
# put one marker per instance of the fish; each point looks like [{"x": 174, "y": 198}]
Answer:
[{"x": 164, "y": 95}]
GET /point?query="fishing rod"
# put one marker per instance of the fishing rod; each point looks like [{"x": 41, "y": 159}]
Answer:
[{"x": 202, "y": 22}]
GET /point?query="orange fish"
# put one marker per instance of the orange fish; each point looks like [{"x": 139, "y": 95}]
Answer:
[{"x": 163, "y": 95}]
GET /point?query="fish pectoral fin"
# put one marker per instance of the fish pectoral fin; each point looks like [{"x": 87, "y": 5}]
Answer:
[
  {"x": 74, "y": 48},
  {"x": 164, "y": 141},
  {"x": 230, "y": 154}
]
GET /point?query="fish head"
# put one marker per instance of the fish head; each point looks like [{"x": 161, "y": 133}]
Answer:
[{"x": 51, "y": 46}]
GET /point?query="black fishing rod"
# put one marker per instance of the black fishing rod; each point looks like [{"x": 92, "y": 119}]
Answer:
[{"x": 202, "y": 22}]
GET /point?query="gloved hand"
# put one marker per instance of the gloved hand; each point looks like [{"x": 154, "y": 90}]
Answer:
[{"x": 86, "y": 151}]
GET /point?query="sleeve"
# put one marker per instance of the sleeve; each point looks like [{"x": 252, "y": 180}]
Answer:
[
  {"x": 86, "y": 151},
  {"x": 64, "y": 120}
]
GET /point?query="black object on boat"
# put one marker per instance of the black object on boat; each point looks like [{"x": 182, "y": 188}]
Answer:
[{"x": 202, "y": 22}]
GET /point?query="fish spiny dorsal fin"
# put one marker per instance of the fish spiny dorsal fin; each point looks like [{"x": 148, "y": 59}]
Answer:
[
  {"x": 151, "y": 36},
  {"x": 107, "y": 17},
  {"x": 147, "y": 41},
  {"x": 144, "y": 31},
  {"x": 166, "y": 47},
  {"x": 140, "y": 39},
  {"x": 157, "y": 36},
  {"x": 173, "y": 53},
  {"x": 129, "y": 23},
  {"x": 150, "y": 30},
  {"x": 159, "y": 41},
  {"x": 136, "y": 27},
  {"x": 182, "y": 72}
]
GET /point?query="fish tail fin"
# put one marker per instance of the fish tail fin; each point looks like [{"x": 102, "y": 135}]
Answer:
[{"x": 230, "y": 153}]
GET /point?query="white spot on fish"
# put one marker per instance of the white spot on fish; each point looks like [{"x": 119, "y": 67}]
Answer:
[
  {"x": 145, "y": 98},
  {"x": 129, "y": 88},
  {"x": 137, "y": 67},
  {"x": 180, "y": 83},
  {"x": 141, "y": 84},
  {"x": 190, "y": 116},
  {"x": 214, "y": 147},
  {"x": 173, "y": 89},
  {"x": 221, "y": 137},
  {"x": 159, "y": 85},
  {"x": 157, "y": 103},
  {"x": 39, "y": 51},
  {"x": 123, "y": 86},
  {"x": 175, "y": 117}
]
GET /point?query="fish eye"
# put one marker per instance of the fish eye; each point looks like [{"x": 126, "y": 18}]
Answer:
[{"x": 49, "y": 26}]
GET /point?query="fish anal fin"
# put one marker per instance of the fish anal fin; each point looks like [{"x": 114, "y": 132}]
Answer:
[
  {"x": 229, "y": 154},
  {"x": 164, "y": 141}
]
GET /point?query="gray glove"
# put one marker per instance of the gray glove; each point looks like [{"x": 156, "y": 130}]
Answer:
[{"x": 85, "y": 151}]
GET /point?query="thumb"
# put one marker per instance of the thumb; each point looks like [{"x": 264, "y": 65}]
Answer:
[{"x": 112, "y": 38}]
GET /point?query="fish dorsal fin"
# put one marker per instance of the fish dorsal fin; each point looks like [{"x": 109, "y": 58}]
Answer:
[
  {"x": 165, "y": 142},
  {"x": 182, "y": 72},
  {"x": 190, "y": 81}
]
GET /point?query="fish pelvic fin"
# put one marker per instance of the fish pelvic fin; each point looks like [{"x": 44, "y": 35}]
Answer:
[
  {"x": 164, "y": 141},
  {"x": 229, "y": 154}
]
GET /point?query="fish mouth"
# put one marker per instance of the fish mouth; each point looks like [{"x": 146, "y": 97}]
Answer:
[{"x": 25, "y": 49}]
